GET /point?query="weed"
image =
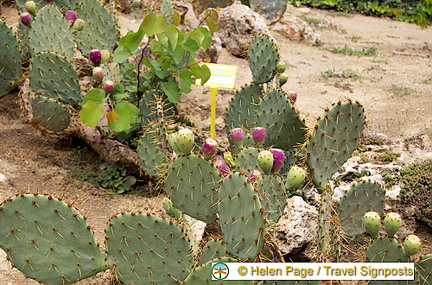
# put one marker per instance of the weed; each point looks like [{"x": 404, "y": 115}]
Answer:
[
  {"x": 427, "y": 81},
  {"x": 343, "y": 74},
  {"x": 400, "y": 90},
  {"x": 311, "y": 21},
  {"x": 371, "y": 140},
  {"x": 346, "y": 50}
]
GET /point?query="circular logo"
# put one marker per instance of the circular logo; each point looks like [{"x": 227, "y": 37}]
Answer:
[{"x": 220, "y": 271}]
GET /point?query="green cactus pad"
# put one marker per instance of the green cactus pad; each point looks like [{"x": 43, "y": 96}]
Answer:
[
  {"x": 333, "y": 140},
  {"x": 64, "y": 5},
  {"x": 241, "y": 219},
  {"x": 49, "y": 113},
  {"x": 273, "y": 196},
  {"x": 10, "y": 60},
  {"x": 263, "y": 56},
  {"x": 424, "y": 269},
  {"x": 53, "y": 76},
  {"x": 385, "y": 249},
  {"x": 212, "y": 249},
  {"x": 192, "y": 183},
  {"x": 100, "y": 31},
  {"x": 359, "y": 199},
  {"x": 48, "y": 240},
  {"x": 152, "y": 158},
  {"x": 284, "y": 127},
  {"x": 271, "y": 10},
  {"x": 246, "y": 159},
  {"x": 243, "y": 107},
  {"x": 50, "y": 32},
  {"x": 145, "y": 249},
  {"x": 22, "y": 34},
  {"x": 203, "y": 274},
  {"x": 148, "y": 106}
]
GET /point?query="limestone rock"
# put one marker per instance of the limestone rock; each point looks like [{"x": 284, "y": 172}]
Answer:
[
  {"x": 296, "y": 29},
  {"x": 297, "y": 227}
]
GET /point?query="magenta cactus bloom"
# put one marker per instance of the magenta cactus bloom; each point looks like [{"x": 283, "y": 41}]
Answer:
[
  {"x": 98, "y": 73},
  {"x": 278, "y": 159},
  {"x": 254, "y": 175},
  {"x": 70, "y": 16},
  {"x": 26, "y": 18},
  {"x": 96, "y": 56},
  {"x": 78, "y": 25},
  {"x": 108, "y": 86},
  {"x": 259, "y": 134},
  {"x": 222, "y": 166},
  {"x": 237, "y": 136},
  {"x": 209, "y": 148}
]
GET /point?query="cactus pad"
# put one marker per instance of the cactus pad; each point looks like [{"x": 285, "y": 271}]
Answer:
[
  {"x": 62, "y": 4},
  {"x": 50, "y": 32},
  {"x": 53, "y": 76},
  {"x": 263, "y": 56},
  {"x": 49, "y": 113},
  {"x": 385, "y": 249},
  {"x": 246, "y": 159},
  {"x": 241, "y": 219},
  {"x": 10, "y": 59},
  {"x": 100, "y": 31},
  {"x": 278, "y": 116},
  {"x": 48, "y": 240},
  {"x": 212, "y": 249},
  {"x": 359, "y": 199},
  {"x": 151, "y": 157},
  {"x": 191, "y": 183},
  {"x": 144, "y": 249},
  {"x": 273, "y": 196},
  {"x": 333, "y": 140},
  {"x": 242, "y": 109},
  {"x": 148, "y": 106}
]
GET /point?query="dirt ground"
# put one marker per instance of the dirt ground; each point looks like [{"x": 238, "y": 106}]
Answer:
[{"x": 395, "y": 87}]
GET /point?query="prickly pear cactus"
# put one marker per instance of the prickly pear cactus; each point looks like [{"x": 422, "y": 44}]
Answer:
[
  {"x": 50, "y": 32},
  {"x": 151, "y": 157},
  {"x": 273, "y": 196},
  {"x": 145, "y": 249},
  {"x": 100, "y": 31},
  {"x": 243, "y": 107},
  {"x": 385, "y": 249},
  {"x": 241, "y": 218},
  {"x": 246, "y": 159},
  {"x": 148, "y": 107},
  {"x": 48, "y": 240},
  {"x": 424, "y": 269},
  {"x": 333, "y": 140},
  {"x": 192, "y": 183},
  {"x": 62, "y": 4},
  {"x": 284, "y": 127},
  {"x": 10, "y": 59},
  {"x": 211, "y": 250},
  {"x": 263, "y": 56},
  {"x": 49, "y": 113},
  {"x": 54, "y": 76},
  {"x": 359, "y": 199},
  {"x": 272, "y": 10}
]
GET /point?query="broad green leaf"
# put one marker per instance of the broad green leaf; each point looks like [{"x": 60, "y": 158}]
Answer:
[
  {"x": 205, "y": 73},
  {"x": 202, "y": 36},
  {"x": 119, "y": 96},
  {"x": 128, "y": 44},
  {"x": 212, "y": 20},
  {"x": 91, "y": 113},
  {"x": 190, "y": 45},
  {"x": 185, "y": 80},
  {"x": 163, "y": 40},
  {"x": 176, "y": 18},
  {"x": 172, "y": 34},
  {"x": 96, "y": 95},
  {"x": 118, "y": 88},
  {"x": 171, "y": 89},
  {"x": 127, "y": 114},
  {"x": 153, "y": 25}
]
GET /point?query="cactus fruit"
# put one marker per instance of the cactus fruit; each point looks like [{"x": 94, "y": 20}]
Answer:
[
  {"x": 26, "y": 18},
  {"x": 48, "y": 240},
  {"x": 209, "y": 148},
  {"x": 78, "y": 25},
  {"x": 10, "y": 59},
  {"x": 392, "y": 223},
  {"x": 106, "y": 55},
  {"x": 281, "y": 66},
  {"x": 254, "y": 175},
  {"x": 283, "y": 78},
  {"x": 98, "y": 73},
  {"x": 241, "y": 220},
  {"x": 278, "y": 159},
  {"x": 70, "y": 16},
  {"x": 411, "y": 245},
  {"x": 292, "y": 96},
  {"x": 372, "y": 223},
  {"x": 237, "y": 136},
  {"x": 222, "y": 167},
  {"x": 30, "y": 6},
  {"x": 141, "y": 249},
  {"x": 265, "y": 161},
  {"x": 295, "y": 177},
  {"x": 259, "y": 134},
  {"x": 191, "y": 184},
  {"x": 185, "y": 140},
  {"x": 108, "y": 86},
  {"x": 95, "y": 57}
]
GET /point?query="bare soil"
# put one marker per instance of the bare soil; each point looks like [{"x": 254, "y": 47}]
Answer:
[{"x": 395, "y": 87}]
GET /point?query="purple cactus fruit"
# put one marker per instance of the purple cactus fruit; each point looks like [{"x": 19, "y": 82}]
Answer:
[
  {"x": 222, "y": 166},
  {"x": 371, "y": 222},
  {"x": 95, "y": 56},
  {"x": 105, "y": 56},
  {"x": 392, "y": 223},
  {"x": 78, "y": 25},
  {"x": 70, "y": 16},
  {"x": 98, "y": 73},
  {"x": 295, "y": 178},
  {"x": 412, "y": 245},
  {"x": 31, "y": 7},
  {"x": 293, "y": 96},
  {"x": 26, "y": 18},
  {"x": 185, "y": 140},
  {"x": 265, "y": 161},
  {"x": 254, "y": 175},
  {"x": 259, "y": 134},
  {"x": 108, "y": 86},
  {"x": 209, "y": 148},
  {"x": 278, "y": 159},
  {"x": 283, "y": 78},
  {"x": 237, "y": 137}
]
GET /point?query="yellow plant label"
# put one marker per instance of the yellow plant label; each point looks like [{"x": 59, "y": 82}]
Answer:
[{"x": 222, "y": 76}]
